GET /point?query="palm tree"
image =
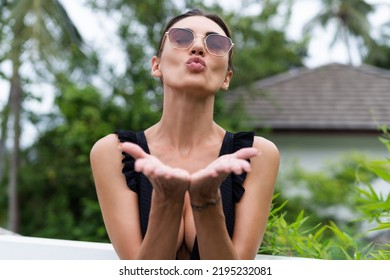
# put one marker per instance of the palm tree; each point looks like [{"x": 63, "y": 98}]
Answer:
[
  {"x": 380, "y": 54},
  {"x": 41, "y": 30},
  {"x": 351, "y": 19}
]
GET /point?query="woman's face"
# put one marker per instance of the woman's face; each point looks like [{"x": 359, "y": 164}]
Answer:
[{"x": 193, "y": 68}]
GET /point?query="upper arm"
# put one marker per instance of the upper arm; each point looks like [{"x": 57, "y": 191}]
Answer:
[
  {"x": 253, "y": 209},
  {"x": 119, "y": 205}
]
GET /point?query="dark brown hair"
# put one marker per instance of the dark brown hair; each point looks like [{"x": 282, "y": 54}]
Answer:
[{"x": 197, "y": 12}]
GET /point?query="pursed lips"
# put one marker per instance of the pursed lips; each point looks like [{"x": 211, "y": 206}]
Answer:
[{"x": 196, "y": 64}]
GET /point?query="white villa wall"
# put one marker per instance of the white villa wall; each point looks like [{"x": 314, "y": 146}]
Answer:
[
  {"x": 314, "y": 151},
  {"x": 32, "y": 248}
]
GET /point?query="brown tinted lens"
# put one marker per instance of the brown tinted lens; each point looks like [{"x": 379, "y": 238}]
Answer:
[
  {"x": 180, "y": 38},
  {"x": 218, "y": 44}
]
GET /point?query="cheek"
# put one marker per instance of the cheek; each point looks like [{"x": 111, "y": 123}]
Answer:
[
  {"x": 169, "y": 63},
  {"x": 220, "y": 63},
  {"x": 220, "y": 69}
]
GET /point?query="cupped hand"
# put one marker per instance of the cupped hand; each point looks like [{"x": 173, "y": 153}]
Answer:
[
  {"x": 205, "y": 182},
  {"x": 168, "y": 181}
]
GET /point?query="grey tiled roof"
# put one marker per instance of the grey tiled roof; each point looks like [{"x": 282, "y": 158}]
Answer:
[{"x": 331, "y": 97}]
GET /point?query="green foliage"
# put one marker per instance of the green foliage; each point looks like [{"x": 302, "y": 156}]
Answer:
[
  {"x": 310, "y": 237},
  {"x": 326, "y": 195},
  {"x": 55, "y": 171},
  {"x": 261, "y": 49},
  {"x": 378, "y": 56},
  {"x": 292, "y": 239},
  {"x": 295, "y": 239},
  {"x": 374, "y": 206}
]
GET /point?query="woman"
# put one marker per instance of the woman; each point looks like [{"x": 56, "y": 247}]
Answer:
[{"x": 185, "y": 188}]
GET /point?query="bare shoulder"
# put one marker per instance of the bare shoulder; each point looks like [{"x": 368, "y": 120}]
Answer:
[
  {"x": 268, "y": 150},
  {"x": 109, "y": 141},
  {"x": 265, "y": 165},
  {"x": 105, "y": 145},
  {"x": 105, "y": 155}
]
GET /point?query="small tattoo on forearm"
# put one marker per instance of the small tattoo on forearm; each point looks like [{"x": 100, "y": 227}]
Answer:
[{"x": 206, "y": 205}]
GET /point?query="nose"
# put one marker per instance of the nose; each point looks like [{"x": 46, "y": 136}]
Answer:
[{"x": 198, "y": 47}]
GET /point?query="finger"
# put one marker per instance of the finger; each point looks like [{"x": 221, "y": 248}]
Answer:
[
  {"x": 180, "y": 173},
  {"x": 161, "y": 171},
  {"x": 150, "y": 167},
  {"x": 143, "y": 163},
  {"x": 146, "y": 165},
  {"x": 224, "y": 166},
  {"x": 132, "y": 149},
  {"x": 244, "y": 165},
  {"x": 204, "y": 173},
  {"x": 246, "y": 153},
  {"x": 238, "y": 167},
  {"x": 231, "y": 164},
  {"x": 139, "y": 165}
]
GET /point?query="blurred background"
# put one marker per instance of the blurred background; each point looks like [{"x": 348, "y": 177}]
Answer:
[{"x": 313, "y": 76}]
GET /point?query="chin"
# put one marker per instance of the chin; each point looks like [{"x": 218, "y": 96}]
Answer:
[{"x": 192, "y": 84}]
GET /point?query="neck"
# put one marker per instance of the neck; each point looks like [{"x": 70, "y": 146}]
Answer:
[{"x": 187, "y": 120}]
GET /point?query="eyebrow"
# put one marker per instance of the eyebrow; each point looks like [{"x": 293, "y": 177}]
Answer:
[{"x": 211, "y": 32}]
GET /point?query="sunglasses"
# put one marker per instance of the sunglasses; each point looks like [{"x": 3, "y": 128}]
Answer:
[{"x": 182, "y": 39}]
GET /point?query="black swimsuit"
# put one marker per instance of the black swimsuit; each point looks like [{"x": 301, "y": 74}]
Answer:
[{"x": 231, "y": 188}]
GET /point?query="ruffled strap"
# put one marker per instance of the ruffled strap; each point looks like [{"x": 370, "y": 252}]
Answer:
[
  {"x": 240, "y": 140},
  {"x": 231, "y": 188},
  {"x": 136, "y": 181},
  {"x": 128, "y": 161}
]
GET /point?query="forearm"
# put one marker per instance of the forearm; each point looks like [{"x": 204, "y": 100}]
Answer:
[
  {"x": 213, "y": 239},
  {"x": 163, "y": 229}
]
